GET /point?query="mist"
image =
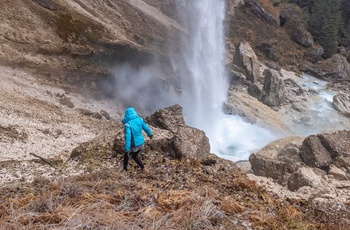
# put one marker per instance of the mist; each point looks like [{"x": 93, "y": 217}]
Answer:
[{"x": 202, "y": 83}]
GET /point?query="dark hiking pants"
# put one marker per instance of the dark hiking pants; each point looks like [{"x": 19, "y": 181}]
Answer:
[{"x": 134, "y": 155}]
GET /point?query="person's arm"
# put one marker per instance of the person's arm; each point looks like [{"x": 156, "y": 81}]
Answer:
[
  {"x": 147, "y": 129},
  {"x": 127, "y": 137}
]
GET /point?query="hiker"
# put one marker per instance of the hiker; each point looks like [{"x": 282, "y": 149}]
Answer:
[{"x": 134, "y": 141}]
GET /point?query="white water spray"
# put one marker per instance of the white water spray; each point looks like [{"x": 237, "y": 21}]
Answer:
[
  {"x": 205, "y": 85},
  {"x": 203, "y": 80}
]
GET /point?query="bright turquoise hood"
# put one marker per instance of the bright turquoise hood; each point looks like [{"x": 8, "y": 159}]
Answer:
[{"x": 130, "y": 113}]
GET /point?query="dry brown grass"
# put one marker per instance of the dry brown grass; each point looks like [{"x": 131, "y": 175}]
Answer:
[{"x": 187, "y": 196}]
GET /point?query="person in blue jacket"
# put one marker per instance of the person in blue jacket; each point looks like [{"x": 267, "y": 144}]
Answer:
[{"x": 134, "y": 140}]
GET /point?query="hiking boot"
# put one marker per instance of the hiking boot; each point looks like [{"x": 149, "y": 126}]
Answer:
[{"x": 145, "y": 170}]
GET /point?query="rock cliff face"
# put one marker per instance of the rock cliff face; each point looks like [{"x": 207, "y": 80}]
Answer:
[{"x": 65, "y": 41}]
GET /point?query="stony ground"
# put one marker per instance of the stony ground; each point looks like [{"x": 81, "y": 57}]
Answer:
[{"x": 44, "y": 121}]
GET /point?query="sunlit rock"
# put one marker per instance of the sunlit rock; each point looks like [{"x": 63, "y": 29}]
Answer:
[
  {"x": 303, "y": 177},
  {"x": 246, "y": 59},
  {"x": 278, "y": 159}
]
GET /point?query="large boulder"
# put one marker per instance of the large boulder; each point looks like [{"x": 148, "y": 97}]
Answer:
[
  {"x": 186, "y": 141},
  {"x": 263, "y": 12},
  {"x": 314, "y": 53},
  {"x": 273, "y": 91},
  {"x": 191, "y": 143},
  {"x": 300, "y": 35},
  {"x": 322, "y": 150},
  {"x": 278, "y": 159},
  {"x": 247, "y": 61},
  {"x": 338, "y": 145},
  {"x": 292, "y": 17},
  {"x": 341, "y": 102},
  {"x": 314, "y": 154},
  {"x": 168, "y": 118},
  {"x": 290, "y": 12}
]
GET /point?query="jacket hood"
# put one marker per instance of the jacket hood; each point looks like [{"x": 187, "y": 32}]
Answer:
[{"x": 130, "y": 113}]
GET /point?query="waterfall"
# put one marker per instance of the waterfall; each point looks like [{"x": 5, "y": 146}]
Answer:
[
  {"x": 201, "y": 81},
  {"x": 204, "y": 83}
]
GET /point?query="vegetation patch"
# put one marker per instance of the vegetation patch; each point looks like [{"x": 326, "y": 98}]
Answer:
[{"x": 173, "y": 195}]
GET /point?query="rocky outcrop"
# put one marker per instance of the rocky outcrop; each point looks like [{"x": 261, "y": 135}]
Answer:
[
  {"x": 302, "y": 162},
  {"x": 278, "y": 159},
  {"x": 247, "y": 62},
  {"x": 171, "y": 137},
  {"x": 291, "y": 16},
  {"x": 253, "y": 111},
  {"x": 300, "y": 35},
  {"x": 332, "y": 68},
  {"x": 263, "y": 12},
  {"x": 273, "y": 91},
  {"x": 169, "y": 118},
  {"x": 341, "y": 102}
]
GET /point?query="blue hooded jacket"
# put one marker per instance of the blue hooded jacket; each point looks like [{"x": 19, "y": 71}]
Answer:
[{"x": 133, "y": 126}]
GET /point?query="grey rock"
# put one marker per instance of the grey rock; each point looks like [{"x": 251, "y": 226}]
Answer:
[
  {"x": 303, "y": 177},
  {"x": 273, "y": 90},
  {"x": 246, "y": 60},
  {"x": 341, "y": 102},
  {"x": 191, "y": 143},
  {"x": 168, "y": 118},
  {"x": 314, "y": 154},
  {"x": 278, "y": 159},
  {"x": 262, "y": 12}
]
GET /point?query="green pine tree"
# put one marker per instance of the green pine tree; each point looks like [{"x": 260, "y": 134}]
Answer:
[
  {"x": 345, "y": 24},
  {"x": 324, "y": 24}
]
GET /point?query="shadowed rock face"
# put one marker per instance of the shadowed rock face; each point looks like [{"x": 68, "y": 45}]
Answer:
[
  {"x": 262, "y": 12},
  {"x": 314, "y": 153}
]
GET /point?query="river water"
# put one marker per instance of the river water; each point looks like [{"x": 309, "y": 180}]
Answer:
[
  {"x": 319, "y": 114},
  {"x": 203, "y": 83}
]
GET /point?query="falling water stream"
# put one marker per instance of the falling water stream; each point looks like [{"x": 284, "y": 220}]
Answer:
[{"x": 205, "y": 84}]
